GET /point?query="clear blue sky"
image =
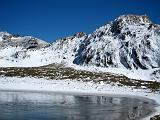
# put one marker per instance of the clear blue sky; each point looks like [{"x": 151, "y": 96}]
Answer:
[{"x": 53, "y": 19}]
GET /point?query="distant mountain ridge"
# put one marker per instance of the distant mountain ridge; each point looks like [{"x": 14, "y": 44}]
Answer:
[
  {"x": 130, "y": 42},
  {"x": 16, "y": 40}
]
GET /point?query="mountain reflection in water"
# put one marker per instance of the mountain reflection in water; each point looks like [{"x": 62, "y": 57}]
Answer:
[{"x": 54, "y": 106}]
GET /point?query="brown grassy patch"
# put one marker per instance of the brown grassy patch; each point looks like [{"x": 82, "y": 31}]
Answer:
[{"x": 60, "y": 72}]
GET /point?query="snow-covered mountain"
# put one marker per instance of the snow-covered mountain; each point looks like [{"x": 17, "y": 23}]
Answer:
[
  {"x": 131, "y": 43},
  {"x": 26, "y": 42},
  {"x": 20, "y": 51}
]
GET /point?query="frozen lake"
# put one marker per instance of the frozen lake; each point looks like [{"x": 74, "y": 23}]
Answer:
[{"x": 58, "y": 106}]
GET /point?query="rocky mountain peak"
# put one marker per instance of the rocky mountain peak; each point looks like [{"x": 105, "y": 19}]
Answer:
[
  {"x": 131, "y": 41},
  {"x": 72, "y": 38},
  {"x": 80, "y": 34},
  {"x": 133, "y": 19},
  {"x": 25, "y": 42},
  {"x": 131, "y": 24}
]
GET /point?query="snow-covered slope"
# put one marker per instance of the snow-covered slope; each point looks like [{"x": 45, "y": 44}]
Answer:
[
  {"x": 66, "y": 48},
  {"x": 30, "y": 52},
  {"x": 17, "y": 51},
  {"x": 130, "y": 43}
]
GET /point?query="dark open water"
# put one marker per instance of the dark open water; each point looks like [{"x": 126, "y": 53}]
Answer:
[{"x": 51, "y": 106}]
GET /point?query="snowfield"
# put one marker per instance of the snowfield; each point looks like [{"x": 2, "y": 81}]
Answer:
[
  {"x": 74, "y": 86},
  {"x": 138, "y": 74}
]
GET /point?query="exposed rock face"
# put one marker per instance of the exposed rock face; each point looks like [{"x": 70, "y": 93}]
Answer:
[
  {"x": 128, "y": 42},
  {"x": 26, "y": 42},
  {"x": 66, "y": 48}
]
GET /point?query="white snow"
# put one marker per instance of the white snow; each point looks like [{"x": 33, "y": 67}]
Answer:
[
  {"x": 1, "y": 38},
  {"x": 30, "y": 58},
  {"x": 45, "y": 56},
  {"x": 73, "y": 86},
  {"x": 138, "y": 74}
]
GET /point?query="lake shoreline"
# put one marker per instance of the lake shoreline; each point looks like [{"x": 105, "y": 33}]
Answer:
[{"x": 81, "y": 88}]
